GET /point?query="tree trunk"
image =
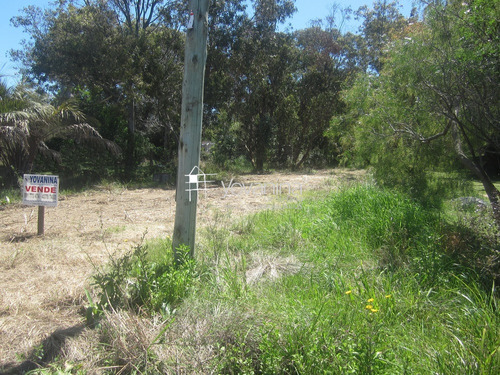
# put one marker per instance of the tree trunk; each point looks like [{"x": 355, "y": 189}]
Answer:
[
  {"x": 32, "y": 152},
  {"x": 494, "y": 197},
  {"x": 476, "y": 168},
  {"x": 261, "y": 144},
  {"x": 130, "y": 154},
  {"x": 259, "y": 163}
]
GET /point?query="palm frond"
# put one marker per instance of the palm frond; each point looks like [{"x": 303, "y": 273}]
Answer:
[
  {"x": 28, "y": 120},
  {"x": 48, "y": 153},
  {"x": 15, "y": 133},
  {"x": 41, "y": 111},
  {"x": 13, "y": 117},
  {"x": 84, "y": 133},
  {"x": 69, "y": 110}
]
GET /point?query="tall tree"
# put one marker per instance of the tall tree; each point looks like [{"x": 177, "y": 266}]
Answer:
[
  {"x": 138, "y": 15},
  {"x": 319, "y": 80},
  {"x": 381, "y": 25},
  {"x": 106, "y": 48},
  {"x": 262, "y": 70},
  {"x": 442, "y": 84},
  {"x": 265, "y": 77},
  {"x": 227, "y": 23},
  {"x": 458, "y": 68}
]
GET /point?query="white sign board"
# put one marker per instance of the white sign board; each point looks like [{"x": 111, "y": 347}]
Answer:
[{"x": 40, "y": 190}]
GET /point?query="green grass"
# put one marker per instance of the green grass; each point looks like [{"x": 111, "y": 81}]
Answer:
[
  {"x": 8, "y": 196},
  {"x": 361, "y": 281},
  {"x": 478, "y": 189},
  {"x": 365, "y": 247}
]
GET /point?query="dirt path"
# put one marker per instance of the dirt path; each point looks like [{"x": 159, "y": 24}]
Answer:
[{"x": 43, "y": 279}]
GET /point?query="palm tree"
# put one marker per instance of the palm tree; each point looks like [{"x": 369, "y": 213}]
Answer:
[{"x": 28, "y": 121}]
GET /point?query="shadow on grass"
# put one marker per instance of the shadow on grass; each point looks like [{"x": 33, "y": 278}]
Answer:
[
  {"x": 43, "y": 354},
  {"x": 17, "y": 238}
]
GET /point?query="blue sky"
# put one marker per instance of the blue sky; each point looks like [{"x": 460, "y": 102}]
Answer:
[{"x": 307, "y": 10}]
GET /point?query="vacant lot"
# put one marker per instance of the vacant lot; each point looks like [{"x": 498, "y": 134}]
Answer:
[{"x": 43, "y": 279}]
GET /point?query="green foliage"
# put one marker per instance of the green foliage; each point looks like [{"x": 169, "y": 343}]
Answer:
[
  {"x": 361, "y": 280},
  {"x": 225, "y": 149},
  {"x": 269, "y": 94},
  {"x": 67, "y": 369},
  {"x": 377, "y": 132},
  {"x": 432, "y": 108},
  {"x": 119, "y": 66},
  {"x": 382, "y": 23},
  {"x": 145, "y": 280},
  {"x": 377, "y": 293},
  {"x": 27, "y": 127}
]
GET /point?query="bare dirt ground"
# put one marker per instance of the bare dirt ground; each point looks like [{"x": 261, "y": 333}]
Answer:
[{"x": 43, "y": 278}]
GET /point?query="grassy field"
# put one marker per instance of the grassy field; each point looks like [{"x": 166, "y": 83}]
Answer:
[{"x": 360, "y": 280}]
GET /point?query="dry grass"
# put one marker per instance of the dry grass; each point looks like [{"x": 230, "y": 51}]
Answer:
[
  {"x": 265, "y": 266},
  {"x": 43, "y": 278}
]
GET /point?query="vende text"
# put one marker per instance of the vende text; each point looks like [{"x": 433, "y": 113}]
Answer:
[{"x": 41, "y": 189}]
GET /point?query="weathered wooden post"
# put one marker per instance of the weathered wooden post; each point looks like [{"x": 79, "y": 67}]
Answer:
[
  {"x": 41, "y": 220},
  {"x": 191, "y": 120}
]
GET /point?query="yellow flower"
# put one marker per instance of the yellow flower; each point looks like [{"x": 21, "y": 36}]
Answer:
[
  {"x": 371, "y": 300},
  {"x": 373, "y": 310},
  {"x": 348, "y": 292},
  {"x": 369, "y": 307},
  {"x": 125, "y": 240},
  {"x": 388, "y": 295}
]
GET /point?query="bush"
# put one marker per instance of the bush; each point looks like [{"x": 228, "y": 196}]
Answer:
[{"x": 144, "y": 282}]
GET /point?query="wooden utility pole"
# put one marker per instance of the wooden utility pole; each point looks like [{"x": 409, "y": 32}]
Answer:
[{"x": 191, "y": 118}]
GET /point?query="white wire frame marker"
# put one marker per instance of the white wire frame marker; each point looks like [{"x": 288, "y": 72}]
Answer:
[{"x": 193, "y": 180}]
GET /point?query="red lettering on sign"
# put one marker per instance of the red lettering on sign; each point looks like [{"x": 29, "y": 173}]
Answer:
[{"x": 41, "y": 189}]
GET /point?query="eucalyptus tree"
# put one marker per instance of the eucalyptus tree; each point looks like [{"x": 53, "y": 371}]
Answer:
[
  {"x": 262, "y": 70},
  {"x": 263, "y": 96},
  {"x": 228, "y": 22},
  {"x": 137, "y": 15},
  {"x": 319, "y": 79},
  {"x": 381, "y": 24}
]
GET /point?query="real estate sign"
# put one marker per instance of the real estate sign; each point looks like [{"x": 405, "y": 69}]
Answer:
[{"x": 40, "y": 190}]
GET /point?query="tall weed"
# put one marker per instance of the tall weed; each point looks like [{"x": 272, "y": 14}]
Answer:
[{"x": 145, "y": 280}]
